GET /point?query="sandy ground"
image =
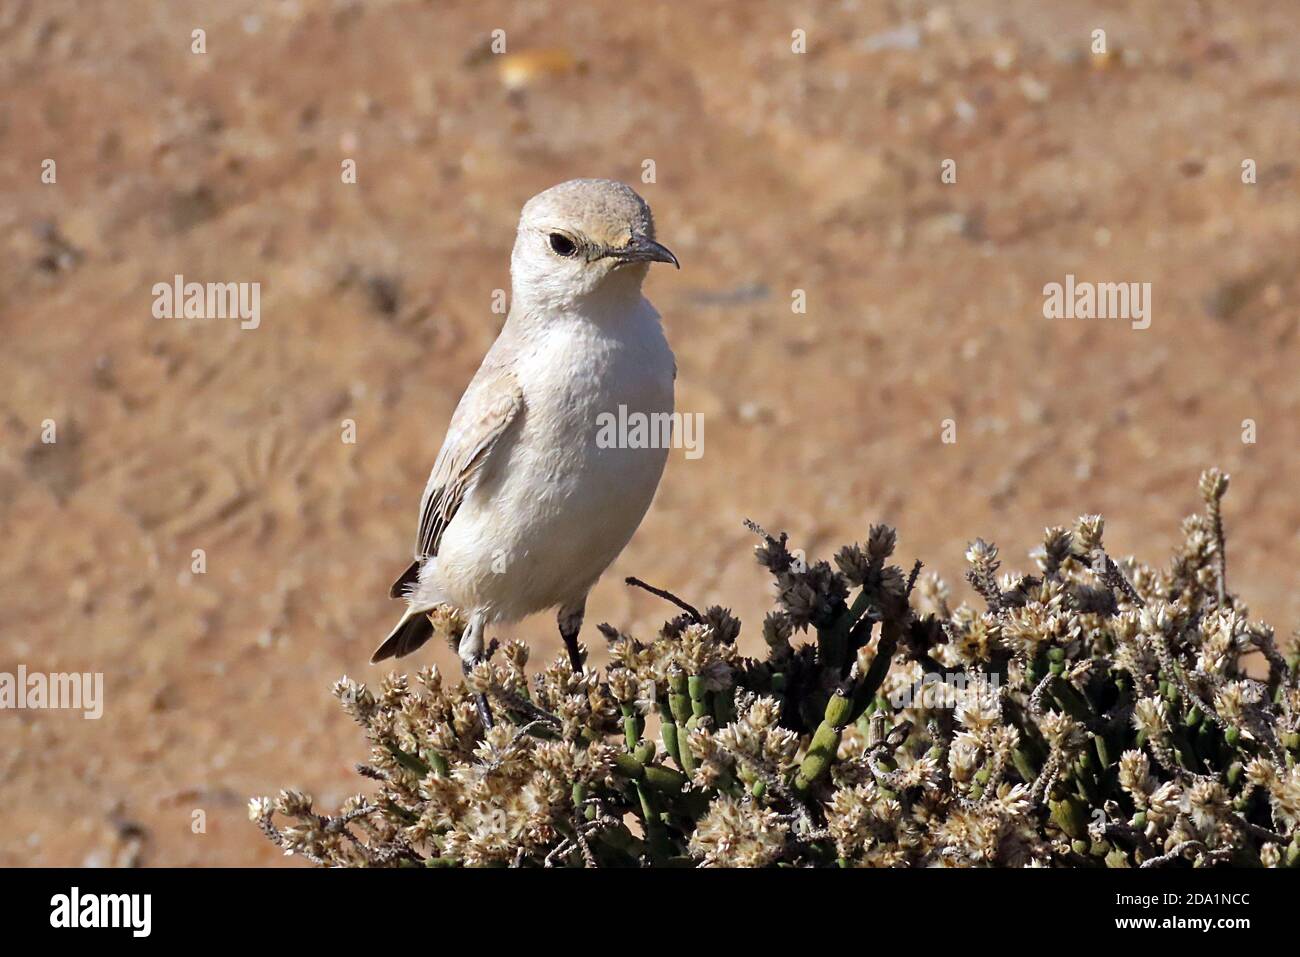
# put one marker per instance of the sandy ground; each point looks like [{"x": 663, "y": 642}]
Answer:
[{"x": 774, "y": 172}]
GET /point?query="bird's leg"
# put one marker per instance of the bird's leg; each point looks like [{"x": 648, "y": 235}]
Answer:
[
  {"x": 480, "y": 701},
  {"x": 570, "y": 621},
  {"x": 470, "y": 651}
]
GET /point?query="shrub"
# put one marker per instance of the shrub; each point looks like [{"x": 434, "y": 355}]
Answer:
[{"x": 1093, "y": 713}]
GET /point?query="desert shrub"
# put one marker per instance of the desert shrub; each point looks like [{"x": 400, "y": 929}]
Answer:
[{"x": 1092, "y": 713}]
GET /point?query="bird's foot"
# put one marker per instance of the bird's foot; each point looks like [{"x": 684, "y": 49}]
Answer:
[
  {"x": 570, "y": 622},
  {"x": 484, "y": 711},
  {"x": 480, "y": 699},
  {"x": 575, "y": 652}
]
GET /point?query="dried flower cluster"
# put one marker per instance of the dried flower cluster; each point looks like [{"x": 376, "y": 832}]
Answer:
[{"x": 1090, "y": 714}]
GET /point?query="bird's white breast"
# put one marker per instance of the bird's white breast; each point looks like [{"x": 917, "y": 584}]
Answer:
[{"x": 555, "y": 506}]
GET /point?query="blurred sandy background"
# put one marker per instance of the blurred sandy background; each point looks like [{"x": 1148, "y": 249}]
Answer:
[{"x": 774, "y": 172}]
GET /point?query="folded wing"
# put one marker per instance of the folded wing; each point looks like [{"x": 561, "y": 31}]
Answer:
[{"x": 491, "y": 403}]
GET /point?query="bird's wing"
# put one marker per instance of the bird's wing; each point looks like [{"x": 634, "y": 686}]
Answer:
[
  {"x": 492, "y": 400},
  {"x": 489, "y": 405}
]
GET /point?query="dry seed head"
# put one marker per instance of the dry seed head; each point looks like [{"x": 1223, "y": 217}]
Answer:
[
  {"x": 1213, "y": 485},
  {"x": 725, "y": 625},
  {"x": 777, "y": 629},
  {"x": 623, "y": 686},
  {"x": 935, "y": 593},
  {"x": 1135, "y": 775},
  {"x": 1057, "y": 544},
  {"x": 854, "y": 564},
  {"x": 893, "y": 583},
  {"x": 1088, "y": 530},
  {"x": 733, "y": 834},
  {"x": 1151, "y": 715},
  {"x": 293, "y": 803},
  {"x": 881, "y": 540},
  {"x": 982, "y": 555}
]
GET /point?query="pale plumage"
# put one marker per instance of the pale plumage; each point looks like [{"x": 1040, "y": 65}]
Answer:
[{"x": 524, "y": 509}]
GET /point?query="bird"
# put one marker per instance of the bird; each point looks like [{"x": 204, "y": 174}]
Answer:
[{"x": 526, "y": 505}]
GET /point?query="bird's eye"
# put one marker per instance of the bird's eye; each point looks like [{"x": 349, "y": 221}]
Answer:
[{"x": 562, "y": 244}]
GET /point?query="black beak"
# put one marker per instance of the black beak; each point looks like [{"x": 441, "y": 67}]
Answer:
[{"x": 643, "y": 250}]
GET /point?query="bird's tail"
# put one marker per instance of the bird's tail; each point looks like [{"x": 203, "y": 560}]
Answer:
[
  {"x": 407, "y": 581},
  {"x": 410, "y": 633}
]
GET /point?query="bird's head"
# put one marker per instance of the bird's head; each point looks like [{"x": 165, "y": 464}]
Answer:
[{"x": 584, "y": 239}]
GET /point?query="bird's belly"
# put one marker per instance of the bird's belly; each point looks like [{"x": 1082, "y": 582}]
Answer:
[{"x": 539, "y": 530}]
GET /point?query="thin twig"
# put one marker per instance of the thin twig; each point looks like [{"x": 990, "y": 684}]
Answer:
[
  {"x": 1220, "y": 553},
  {"x": 1113, "y": 829},
  {"x": 588, "y": 858},
  {"x": 1179, "y": 849},
  {"x": 519, "y": 703},
  {"x": 558, "y": 851},
  {"x": 911, "y": 579},
  {"x": 1036, "y": 697},
  {"x": 1047, "y": 777},
  {"x": 1257, "y": 831},
  {"x": 1114, "y": 579},
  {"x": 667, "y": 596}
]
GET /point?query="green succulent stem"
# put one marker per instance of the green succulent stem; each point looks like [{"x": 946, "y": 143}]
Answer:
[
  {"x": 825, "y": 742},
  {"x": 724, "y": 706},
  {"x": 668, "y": 732},
  {"x": 408, "y": 760},
  {"x": 865, "y": 692},
  {"x": 1070, "y": 814},
  {"x": 834, "y": 646},
  {"x": 699, "y": 697},
  {"x": 679, "y": 702},
  {"x": 655, "y": 776}
]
